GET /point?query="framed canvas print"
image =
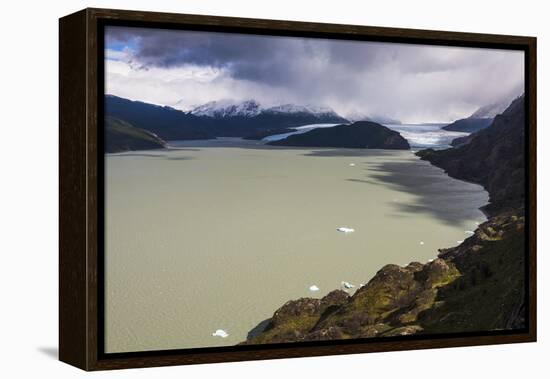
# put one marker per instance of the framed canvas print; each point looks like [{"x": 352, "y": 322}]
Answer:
[{"x": 238, "y": 189}]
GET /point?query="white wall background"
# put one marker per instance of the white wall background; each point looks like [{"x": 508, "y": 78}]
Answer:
[{"x": 28, "y": 189}]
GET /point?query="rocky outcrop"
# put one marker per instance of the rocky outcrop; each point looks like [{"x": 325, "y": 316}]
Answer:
[
  {"x": 360, "y": 135},
  {"x": 476, "y": 286},
  {"x": 490, "y": 293},
  {"x": 296, "y": 318}
]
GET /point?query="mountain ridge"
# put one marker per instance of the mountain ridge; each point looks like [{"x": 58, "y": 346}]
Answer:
[
  {"x": 166, "y": 122},
  {"x": 252, "y": 108},
  {"x": 221, "y": 109},
  {"x": 491, "y": 110},
  {"x": 211, "y": 120}
]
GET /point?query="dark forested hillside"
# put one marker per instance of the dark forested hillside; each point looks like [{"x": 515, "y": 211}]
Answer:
[
  {"x": 361, "y": 134},
  {"x": 468, "y": 125},
  {"x": 165, "y": 122},
  {"x": 493, "y": 157}
]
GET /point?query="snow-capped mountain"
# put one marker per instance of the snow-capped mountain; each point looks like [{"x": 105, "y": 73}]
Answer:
[
  {"x": 217, "y": 118},
  {"x": 251, "y": 108},
  {"x": 359, "y": 116},
  {"x": 309, "y": 109},
  {"x": 228, "y": 108}
]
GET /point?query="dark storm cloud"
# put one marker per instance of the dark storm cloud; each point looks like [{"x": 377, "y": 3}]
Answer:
[
  {"x": 404, "y": 81},
  {"x": 246, "y": 57},
  {"x": 271, "y": 58}
]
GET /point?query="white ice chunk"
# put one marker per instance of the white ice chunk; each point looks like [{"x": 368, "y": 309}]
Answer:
[
  {"x": 220, "y": 333},
  {"x": 468, "y": 232},
  {"x": 459, "y": 241},
  {"x": 352, "y": 164},
  {"x": 422, "y": 242},
  {"x": 344, "y": 229},
  {"x": 314, "y": 288},
  {"x": 347, "y": 285}
]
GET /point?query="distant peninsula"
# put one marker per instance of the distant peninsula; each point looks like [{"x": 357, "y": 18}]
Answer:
[
  {"x": 358, "y": 135},
  {"x": 468, "y": 125},
  {"x": 122, "y": 136}
]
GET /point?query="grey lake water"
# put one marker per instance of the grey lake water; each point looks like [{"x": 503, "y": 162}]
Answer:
[{"x": 218, "y": 234}]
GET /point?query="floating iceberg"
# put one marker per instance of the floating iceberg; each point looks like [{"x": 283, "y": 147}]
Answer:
[
  {"x": 422, "y": 242},
  {"x": 220, "y": 333},
  {"x": 314, "y": 288},
  {"x": 344, "y": 229},
  {"x": 352, "y": 164},
  {"x": 347, "y": 285}
]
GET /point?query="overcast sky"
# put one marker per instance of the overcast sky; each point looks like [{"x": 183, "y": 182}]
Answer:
[{"x": 412, "y": 83}]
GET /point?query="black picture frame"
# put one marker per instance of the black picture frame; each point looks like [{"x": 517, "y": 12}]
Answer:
[{"x": 81, "y": 83}]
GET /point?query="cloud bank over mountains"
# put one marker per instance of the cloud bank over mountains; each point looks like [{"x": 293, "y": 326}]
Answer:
[{"x": 413, "y": 83}]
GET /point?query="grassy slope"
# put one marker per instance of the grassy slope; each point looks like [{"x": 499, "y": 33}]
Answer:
[{"x": 490, "y": 291}]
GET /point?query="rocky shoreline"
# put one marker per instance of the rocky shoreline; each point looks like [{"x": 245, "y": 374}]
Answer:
[{"x": 475, "y": 286}]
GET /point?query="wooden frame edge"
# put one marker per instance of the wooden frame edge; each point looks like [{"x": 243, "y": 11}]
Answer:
[
  {"x": 531, "y": 114},
  {"x": 78, "y": 252},
  {"x": 72, "y": 191}
]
